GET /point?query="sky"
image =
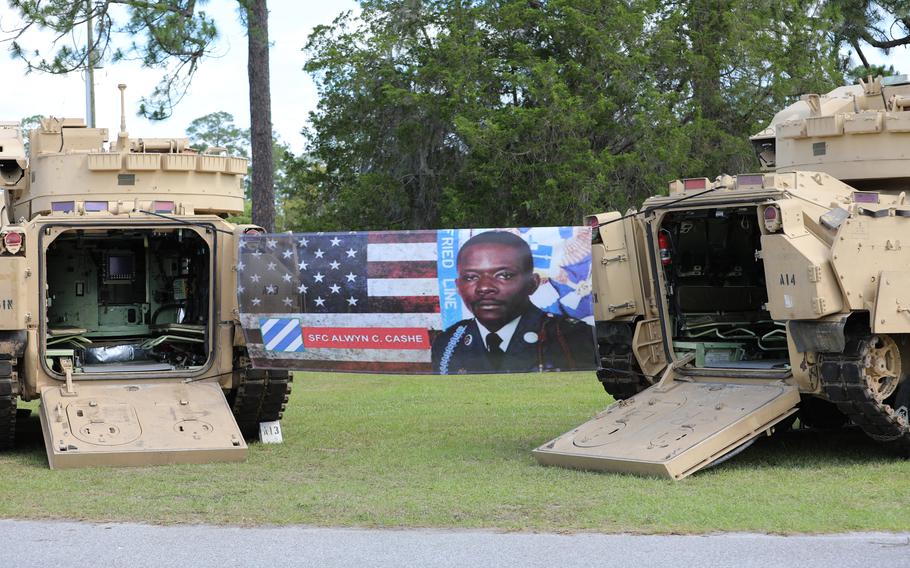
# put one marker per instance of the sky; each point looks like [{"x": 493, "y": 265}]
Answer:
[{"x": 220, "y": 83}]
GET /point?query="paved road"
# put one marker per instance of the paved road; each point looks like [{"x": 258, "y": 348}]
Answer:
[{"x": 43, "y": 544}]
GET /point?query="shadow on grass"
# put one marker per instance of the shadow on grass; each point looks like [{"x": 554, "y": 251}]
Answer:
[
  {"x": 802, "y": 448},
  {"x": 28, "y": 431}
]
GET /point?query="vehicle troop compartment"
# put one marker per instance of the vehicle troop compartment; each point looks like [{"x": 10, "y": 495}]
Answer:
[
  {"x": 122, "y": 300},
  {"x": 716, "y": 292}
]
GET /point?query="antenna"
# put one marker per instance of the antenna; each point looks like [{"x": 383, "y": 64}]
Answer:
[
  {"x": 90, "y": 68},
  {"x": 123, "y": 137},
  {"x": 122, "y": 88}
]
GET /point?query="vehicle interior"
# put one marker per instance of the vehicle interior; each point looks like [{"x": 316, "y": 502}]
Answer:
[
  {"x": 716, "y": 290},
  {"x": 127, "y": 300}
]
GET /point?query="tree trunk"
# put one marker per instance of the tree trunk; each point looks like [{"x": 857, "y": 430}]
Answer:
[{"x": 262, "y": 188}]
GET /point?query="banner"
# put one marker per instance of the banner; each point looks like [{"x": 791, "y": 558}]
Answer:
[{"x": 446, "y": 302}]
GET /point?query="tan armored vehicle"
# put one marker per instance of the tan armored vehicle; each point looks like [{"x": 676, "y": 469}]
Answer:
[
  {"x": 118, "y": 299},
  {"x": 750, "y": 298}
]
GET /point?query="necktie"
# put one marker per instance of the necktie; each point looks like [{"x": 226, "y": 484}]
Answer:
[{"x": 494, "y": 343}]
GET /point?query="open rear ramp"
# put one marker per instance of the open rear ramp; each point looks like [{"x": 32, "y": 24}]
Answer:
[
  {"x": 674, "y": 428},
  {"x": 138, "y": 424}
]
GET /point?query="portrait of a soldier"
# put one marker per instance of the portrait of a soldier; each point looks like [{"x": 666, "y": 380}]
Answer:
[{"x": 508, "y": 332}]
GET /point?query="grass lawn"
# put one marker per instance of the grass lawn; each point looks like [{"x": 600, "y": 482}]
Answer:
[{"x": 389, "y": 451}]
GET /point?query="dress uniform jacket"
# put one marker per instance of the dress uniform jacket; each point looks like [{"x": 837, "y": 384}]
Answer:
[{"x": 541, "y": 342}]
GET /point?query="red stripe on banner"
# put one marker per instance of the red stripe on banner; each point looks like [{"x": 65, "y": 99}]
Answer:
[
  {"x": 401, "y": 237},
  {"x": 415, "y": 269},
  {"x": 403, "y": 304},
  {"x": 344, "y": 366},
  {"x": 366, "y": 337}
]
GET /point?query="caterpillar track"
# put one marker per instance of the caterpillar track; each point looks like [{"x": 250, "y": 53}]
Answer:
[
  {"x": 8, "y": 396},
  {"x": 619, "y": 372},
  {"x": 863, "y": 383},
  {"x": 261, "y": 396}
]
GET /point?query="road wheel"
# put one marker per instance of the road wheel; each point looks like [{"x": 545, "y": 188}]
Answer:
[{"x": 867, "y": 384}]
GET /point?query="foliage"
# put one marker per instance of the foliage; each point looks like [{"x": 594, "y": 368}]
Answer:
[
  {"x": 880, "y": 24},
  {"x": 245, "y": 218},
  {"x": 218, "y": 130},
  {"x": 297, "y": 195},
  {"x": 171, "y": 35},
  {"x": 26, "y": 124},
  {"x": 736, "y": 63},
  {"x": 175, "y": 35},
  {"x": 505, "y": 113},
  {"x": 29, "y": 122},
  {"x": 863, "y": 72}
]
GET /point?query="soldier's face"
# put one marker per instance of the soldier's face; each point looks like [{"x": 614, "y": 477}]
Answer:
[{"x": 494, "y": 284}]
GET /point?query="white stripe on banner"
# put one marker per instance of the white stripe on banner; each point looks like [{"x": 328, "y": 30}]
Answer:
[
  {"x": 392, "y": 252},
  {"x": 298, "y": 341},
  {"x": 421, "y": 320},
  {"x": 398, "y": 287},
  {"x": 365, "y": 355},
  {"x": 269, "y": 324},
  {"x": 290, "y": 327}
]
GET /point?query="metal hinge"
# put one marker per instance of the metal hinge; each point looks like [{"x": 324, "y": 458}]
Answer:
[
  {"x": 618, "y": 258},
  {"x": 815, "y": 273},
  {"x": 613, "y": 307},
  {"x": 818, "y": 305}
]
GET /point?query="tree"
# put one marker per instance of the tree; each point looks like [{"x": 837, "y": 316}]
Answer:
[
  {"x": 511, "y": 113},
  {"x": 734, "y": 63},
  {"x": 879, "y": 24},
  {"x": 299, "y": 196},
  {"x": 26, "y": 124},
  {"x": 171, "y": 34},
  {"x": 256, "y": 16},
  {"x": 863, "y": 72},
  {"x": 218, "y": 130}
]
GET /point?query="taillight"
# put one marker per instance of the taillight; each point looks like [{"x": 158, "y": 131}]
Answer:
[
  {"x": 865, "y": 197},
  {"x": 13, "y": 242},
  {"x": 95, "y": 206},
  {"x": 663, "y": 242},
  {"x": 695, "y": 183},
  {"x": 162, "y": 206},
  {"x": 750, "y": 181},
  {"x": 772, "y": 217}
]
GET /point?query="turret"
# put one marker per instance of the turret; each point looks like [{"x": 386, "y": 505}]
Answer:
[
  {"x": 72, "y": 169},
  {"x": 859, "y": 134},
  {"x": 12, "y": 165},
  {"x": 12, "y": 155}
]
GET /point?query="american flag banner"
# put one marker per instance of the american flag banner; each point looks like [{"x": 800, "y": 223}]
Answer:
[
  {"x": 392, "y": 301},
  {"x": 267, "y": 274}
]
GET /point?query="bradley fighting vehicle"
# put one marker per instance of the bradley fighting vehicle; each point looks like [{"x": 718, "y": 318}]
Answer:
[
  {"x": 751, "y": 298},
  {"x": 118, "y": 299}
]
